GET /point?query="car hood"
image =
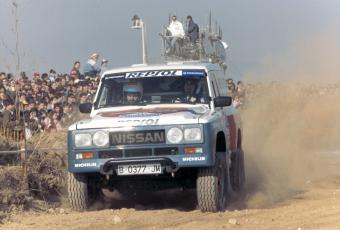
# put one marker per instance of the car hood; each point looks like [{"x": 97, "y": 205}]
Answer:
[{"x": 144, "y": 116}]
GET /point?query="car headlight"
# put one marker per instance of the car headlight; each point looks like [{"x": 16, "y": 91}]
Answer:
[
  {"x": 174, "y": 135},
  {"x": 100, "y": 138},
  {"x": 192, "y": 135},
  {"x": 82, "y": 140}
]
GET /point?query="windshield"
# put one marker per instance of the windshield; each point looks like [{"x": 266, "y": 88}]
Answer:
[{"x": 131, "y": 89}]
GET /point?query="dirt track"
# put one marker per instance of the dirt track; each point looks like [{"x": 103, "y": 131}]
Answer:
[
  {"x": 316, "y": 208},
  {"x": 316, "y": 205}
]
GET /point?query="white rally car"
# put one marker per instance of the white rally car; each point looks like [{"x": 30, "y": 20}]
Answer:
[{"x": 170, "y": 125}]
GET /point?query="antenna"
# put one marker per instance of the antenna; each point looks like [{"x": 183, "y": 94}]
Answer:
[
  {"x": 210, "y": 22},
  {"x": 215, "y": 27}
]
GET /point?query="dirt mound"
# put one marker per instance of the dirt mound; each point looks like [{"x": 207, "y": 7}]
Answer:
[
  {"x": 47, "y": 165},
  {"x": 13, "y": 195},
  {"x": 53, "y": 142},
  {"x": 46, "y": 174}
]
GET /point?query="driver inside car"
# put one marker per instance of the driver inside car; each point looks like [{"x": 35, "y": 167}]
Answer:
[
  {"x": 132, "y": 92},
  {"x": 191, "y": 91}
]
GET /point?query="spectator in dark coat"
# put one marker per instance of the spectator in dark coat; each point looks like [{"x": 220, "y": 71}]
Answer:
[
  {"x": 193, "y": 29},
  {"x": 8, "y": 120},
  {"x": 75, "y": 73}
]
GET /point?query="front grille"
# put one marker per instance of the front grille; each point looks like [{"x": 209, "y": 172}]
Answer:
[
  {"x": 138, "y": 152},
  {"x": 166, "y": 151},
  {"x": 111, "y": 154},
  {"x": 137, "y": 137}
]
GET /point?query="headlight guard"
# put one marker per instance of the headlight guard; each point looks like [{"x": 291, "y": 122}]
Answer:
[
  {"x": 100, "y": 138},
  {"x": 184, "y": 134},
  {"x": 82, "y": 140}
]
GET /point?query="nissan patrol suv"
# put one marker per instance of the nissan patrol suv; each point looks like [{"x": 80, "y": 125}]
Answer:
[{"x": 169, "y": 125}]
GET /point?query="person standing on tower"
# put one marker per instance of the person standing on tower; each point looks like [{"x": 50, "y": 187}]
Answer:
[
  {"x": 193, "y": 29},
  {"x": 177, "y": 31}
]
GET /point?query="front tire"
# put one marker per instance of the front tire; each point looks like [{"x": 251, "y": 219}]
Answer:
[
  {"x": 211, "y": 185},
  {"x": 81, "y": 193}
]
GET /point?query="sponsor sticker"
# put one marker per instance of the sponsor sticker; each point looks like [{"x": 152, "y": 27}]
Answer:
[
  {"x": 159, "y": 73},
  {"x": 155, "y": 73},
  {"x": 189, "y": 159},
  {"x": 85, "y": 165},
  {"x": 139, "y": 121},
  {"x": 193, "y": 73}
]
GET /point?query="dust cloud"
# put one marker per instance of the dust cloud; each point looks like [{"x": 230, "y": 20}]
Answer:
[
  {"x": 291, "y": 119},
  {"x": 307, "y": 60}
]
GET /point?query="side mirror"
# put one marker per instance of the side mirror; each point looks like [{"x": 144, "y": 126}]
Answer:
[
  {"x": 222, "y": 101},
  {"x": 85, "y": 107}
]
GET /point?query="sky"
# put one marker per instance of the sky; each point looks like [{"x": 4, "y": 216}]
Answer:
[{"x": 54, "y": 34}]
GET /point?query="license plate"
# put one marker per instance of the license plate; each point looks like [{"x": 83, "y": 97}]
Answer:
[{"x": 141, "y": 169}]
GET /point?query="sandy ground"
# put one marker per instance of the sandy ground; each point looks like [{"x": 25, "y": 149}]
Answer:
[
  {"x": 316, "y": 205},
  {"x": 316, "y": 208}
]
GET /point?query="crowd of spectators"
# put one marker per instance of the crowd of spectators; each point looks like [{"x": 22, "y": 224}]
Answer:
[
  {"x": 49, "y": 101},
  {"x": 237, "y": 92},
  {"x": 45, "y": 101}
]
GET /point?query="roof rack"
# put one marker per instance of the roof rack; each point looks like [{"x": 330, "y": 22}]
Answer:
[{"x": 208, "y": 48}]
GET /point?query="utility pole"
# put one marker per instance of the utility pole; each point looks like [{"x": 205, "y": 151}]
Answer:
[{"x": 137, "y": 23}]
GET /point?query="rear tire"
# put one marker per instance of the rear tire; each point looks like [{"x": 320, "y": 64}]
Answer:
[
  {"x": 81, "y": 193},
  {"x": 211, "y": 185},
  {"x": 237, "y": 172}
]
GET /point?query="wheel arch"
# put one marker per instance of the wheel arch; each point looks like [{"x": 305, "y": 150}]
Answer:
[{"x": 221, "y": 145}]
